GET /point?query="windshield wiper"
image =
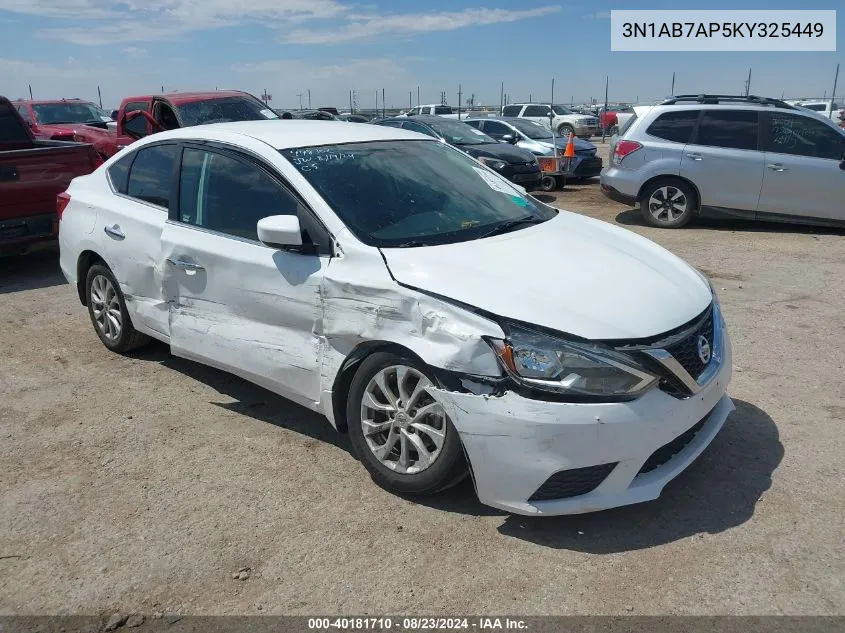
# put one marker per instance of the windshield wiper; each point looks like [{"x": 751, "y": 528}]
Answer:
[
  {"x": 505, "y": 227},
  {"x": 410, "y": 244}
]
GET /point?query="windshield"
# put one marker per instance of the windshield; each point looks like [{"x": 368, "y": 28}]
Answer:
[
  {"x": 459, "y": 133},
  {"x": 412, "y": 193},
  {"x": 562, "y": 110},
  {"x": 224, "y": 109},
  {"x": 536, "y": 131},
  {"x": 69, "y": 112}
]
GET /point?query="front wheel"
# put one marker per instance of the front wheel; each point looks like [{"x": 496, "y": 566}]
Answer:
[
  {"x": 548, "y": 183},
  {"x": 565, "y": 130},
  {"x": 400, "y": 433},
  {"x": 667, "y": 203}
]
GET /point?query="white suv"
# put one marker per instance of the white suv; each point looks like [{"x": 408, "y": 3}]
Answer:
[
  {"x": 564, "y": 121},
  {"x": 728, "y": 156},
  {"x": 445, "y": 111}
]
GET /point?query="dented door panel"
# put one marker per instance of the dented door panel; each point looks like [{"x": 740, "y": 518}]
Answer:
[{"x": 246, "y": 308}]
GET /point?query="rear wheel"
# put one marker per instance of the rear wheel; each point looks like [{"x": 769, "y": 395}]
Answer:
[
  {"x": 548, "y": 183},
  {"x": 400, "y": 433},
  {"x": 107, "y": 309},
  {"x": 668, "y": 203},
  {"x": 565, "y": 130}
]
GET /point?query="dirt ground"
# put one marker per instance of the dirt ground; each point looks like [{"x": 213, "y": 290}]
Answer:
[{"x": 142, "y": 483}]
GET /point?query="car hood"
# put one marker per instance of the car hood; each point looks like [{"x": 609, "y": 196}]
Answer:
[
  {"x": 502, "y": 151},
  {"x": 573, "y": 274}
]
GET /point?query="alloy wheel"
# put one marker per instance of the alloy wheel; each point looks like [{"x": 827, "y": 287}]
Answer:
[
  {"x": 105, "y": 306},
  {"x": 667, "y": 203},
  {"x": 403, "y": 425}
]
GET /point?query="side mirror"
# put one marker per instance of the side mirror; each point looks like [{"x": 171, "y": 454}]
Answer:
[
  {"x": 280, "y": 230},
  {"x": 509, "y": 138}
]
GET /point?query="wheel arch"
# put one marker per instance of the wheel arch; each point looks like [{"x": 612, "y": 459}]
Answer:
[
  {"x": 343, "y": 379},
  {"x": 672, "y": 177},
  {"x": 86, "y": 259}
]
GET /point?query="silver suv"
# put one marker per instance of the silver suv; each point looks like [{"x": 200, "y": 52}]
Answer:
[{"x": 728, "y": 156}]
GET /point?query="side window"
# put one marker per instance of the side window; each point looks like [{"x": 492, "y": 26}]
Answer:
[
  {"x": 439, "y": 110},
  {"x": 537, "y": 110},
  {"x": 224, "y": 194},
  {"x": 24, "y": 112},
  {"x": 119, "y": 173},
  {"x": 138, "y": 125},
  {"x": 511, "y": 110},
  {"x": 674, "y": 126},
  {"x": 474, "y": 123},
  {"x": 496, "y": 129},
  {"x": 391, "y": 123},
  {"x": 732, "y": 129},
  {"x": 802, "y": 136},
  {"x": 151, "y": 175},
  {"x": 416, "y": 127}
]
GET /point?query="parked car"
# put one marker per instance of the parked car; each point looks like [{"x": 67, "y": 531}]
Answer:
[
  {"x": 824, "y": 108},
  {"x": 537, "y": 139},
  {"x": 563, "y": 120},
  {"x": 353, "y": 118},
  {"x": 58, "y": 118},
  {"x": 394, "y": 285},
  {"x": 32, "y": 173},
  {"x": 312, "y": 115},
  {"x": 432, "y": 109},
  {"x": 728, "y": 156},
  {"x": 141, "y": 116},
  {"x": 609, "y": 119},
  {"x": 515, "y": 164}
]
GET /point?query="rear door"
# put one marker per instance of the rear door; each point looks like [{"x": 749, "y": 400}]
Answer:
[
  {"x": 723, "y": 160},
  {"x": 132, "y": 221},
  {"x": 235, "y": 303},
  {"x": 802, "y": 168}
]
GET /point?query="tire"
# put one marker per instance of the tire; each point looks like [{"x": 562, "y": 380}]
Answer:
[
  {"x": 548, "y": 183},
  {"x": 668, "y": 203},
  {"x": 112, "y": 324},
  {"x": 388, "y": 423},
  {"x": 565, "y": 130}
]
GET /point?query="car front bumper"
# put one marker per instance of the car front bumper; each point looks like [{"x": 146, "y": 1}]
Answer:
[{"x": 515, "y": 444}]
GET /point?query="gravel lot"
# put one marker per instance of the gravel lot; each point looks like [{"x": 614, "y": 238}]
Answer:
[{"x": 142, "y": 483}]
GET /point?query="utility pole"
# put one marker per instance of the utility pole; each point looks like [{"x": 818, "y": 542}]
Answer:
[
  {"x": 309, "y": 98},
  {"x": 383, "y": 113},
  {"x": 100, "y": 96},
  {"x": 410, "y": 99},
  {"x": 30, "y": 91},
  {"x": 351, "y": 109},
  {"x": 459, "y": 102},
  {"x": 299, "y": 94},
  {"x": 672, "y": 91},
  {"x": 606, "y": 86},
  {"x": 442, "y": 97},
  {"x": 748, "y": 84},
  {"x": 833, "y": 94},
  {"x": 502, "y": 100},
  {"x": 418, "y": 95},
  {"x": 376, "y": 112},
  {"x": 266, "y": 98}
]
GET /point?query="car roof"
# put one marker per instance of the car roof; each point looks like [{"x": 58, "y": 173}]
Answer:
[
  {"x": 291, "y": 133},
  {"x": 50, "y": 101}
]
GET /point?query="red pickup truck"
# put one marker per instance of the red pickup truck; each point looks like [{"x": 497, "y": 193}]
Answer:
[
  {"x": 608, "y": 119},
  {"x": 141, "y": 116},
  {"x": 58, "y": 118},
  {"x": 32, "y": 173}
]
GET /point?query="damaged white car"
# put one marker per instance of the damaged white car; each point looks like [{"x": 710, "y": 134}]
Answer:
[{"x": 451, "y": 323}]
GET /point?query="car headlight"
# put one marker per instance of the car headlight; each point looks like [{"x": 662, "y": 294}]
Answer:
[
  {"x": 493, "y": 163},
  {"x": 576, "y": 368}
]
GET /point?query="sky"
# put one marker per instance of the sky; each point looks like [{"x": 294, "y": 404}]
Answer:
[{"x": 67, "y": 48}]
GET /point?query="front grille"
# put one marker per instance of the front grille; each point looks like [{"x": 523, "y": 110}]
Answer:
[
  {"x": 668, "y": 451},
  {"x": 572, "y": 483},
  {"x": 685, "y": 351}
]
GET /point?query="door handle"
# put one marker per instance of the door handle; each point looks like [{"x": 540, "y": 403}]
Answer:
[
  {"x": 114, "y": 231},
  {"x": 776, "y": 167},
  {"x": 695, "y": 156},
  {"x": 187, "y": 266}
]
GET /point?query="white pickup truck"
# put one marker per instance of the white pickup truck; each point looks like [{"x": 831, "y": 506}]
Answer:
[
  {"x": 436, "y": 109},
  {"x": 825, "y": 108}
]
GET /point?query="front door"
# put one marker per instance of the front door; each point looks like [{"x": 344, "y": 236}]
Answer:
[
  {"x": 723, "y": 160},
  {"x": 235, "y": 303},
  {"x": 802, "y": 175}
]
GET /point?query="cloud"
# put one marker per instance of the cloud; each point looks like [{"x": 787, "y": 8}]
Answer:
[
  {"x": 370, "y": 26},
  {"x": 361, "y": 74},
  {"x": 99, "y": 22},
  {"x": 598, "y": 15},
  {"x": 134, "y": 51}
]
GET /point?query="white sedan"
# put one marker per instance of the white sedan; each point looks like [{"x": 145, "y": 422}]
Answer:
[{"x": 445, "y": 319}]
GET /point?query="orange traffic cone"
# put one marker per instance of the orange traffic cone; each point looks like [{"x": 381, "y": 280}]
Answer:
[{"x": 569, "y": 152}]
